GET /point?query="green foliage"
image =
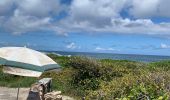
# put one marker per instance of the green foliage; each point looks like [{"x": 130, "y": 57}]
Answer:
[
  {"x": 61, "y": 60},
  {"x": 164, "y": 65},
  {"x": 145, "y": 92},
  {"x": 104, "y": 79},
  {"x": 89, "y": 73},
  {"x": 61, "y": 80},
  {"x": 130, "y": 87},
  {"x": 14, "y": 80}
]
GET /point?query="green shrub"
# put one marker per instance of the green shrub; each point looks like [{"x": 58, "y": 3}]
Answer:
[
  {"x": 145, "y": 91},
  {"x": 130, "y": 87},
  {"x": 164, "y": 65},
  {"x": 63, "y": 61},
  {"x": 87, "y": 73},
  {"x": 14, "y": 80},
  {"x": 90, "y": 73}
]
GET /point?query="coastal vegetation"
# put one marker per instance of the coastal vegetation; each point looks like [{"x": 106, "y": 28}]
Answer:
[{"x": 103, "y": 79}]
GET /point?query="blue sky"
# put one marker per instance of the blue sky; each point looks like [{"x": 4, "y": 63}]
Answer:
[{"x": 109, "y": 26}]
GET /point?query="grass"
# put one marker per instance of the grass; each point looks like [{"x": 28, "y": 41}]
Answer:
[
  {"x": 104, "y": 79},
  {"x": 15, "y": 81}
]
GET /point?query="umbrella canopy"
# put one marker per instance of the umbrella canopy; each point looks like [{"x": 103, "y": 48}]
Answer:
[{"x": 25, "y": 62}]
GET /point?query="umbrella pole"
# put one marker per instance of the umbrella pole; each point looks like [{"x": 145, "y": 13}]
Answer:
[{"x": 18, "y": 92}]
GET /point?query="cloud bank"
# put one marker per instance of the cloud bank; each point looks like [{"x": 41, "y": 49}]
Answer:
[{"x": 90, "y": 16}]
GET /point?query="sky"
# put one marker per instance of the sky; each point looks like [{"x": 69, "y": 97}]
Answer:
[{"x": 104, "y": 26}]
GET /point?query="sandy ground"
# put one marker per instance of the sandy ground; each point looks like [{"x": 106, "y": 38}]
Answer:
[{"x": 11, "y": 94}]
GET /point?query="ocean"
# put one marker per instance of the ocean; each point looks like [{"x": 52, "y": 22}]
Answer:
[{"x": 132, "y": 57}]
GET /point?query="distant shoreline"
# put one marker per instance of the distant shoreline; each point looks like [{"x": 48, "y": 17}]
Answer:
[
  {"x": 48, "y": 51},
  {"x": 131, "y": 57}
]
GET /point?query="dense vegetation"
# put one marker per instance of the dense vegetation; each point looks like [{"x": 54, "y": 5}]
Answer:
[{"x": 104, "y": 79}]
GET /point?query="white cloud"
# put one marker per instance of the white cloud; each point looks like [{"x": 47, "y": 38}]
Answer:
[
  {"x": 6, "y": 6},
  {"x": 96, "y": 13},
  {"x": 144, "y": 8},
  {"x": 123, "y": 26},
  {"x": 22, "y": 24},
  {"x": 91, "y": 16},
  {"x": 91, "y": 9},
  {"x": 100, "y": 16},
  {"x": 150, "y": 8},
  {"x": 164, "y": 46},
  {"x": 87, "y": 9},
  {"x": 39, "y": 8},
  {"x": 104, "y": 49},
  {"x": 72, "y": 45},
  {"x": 23, "y": 16}
]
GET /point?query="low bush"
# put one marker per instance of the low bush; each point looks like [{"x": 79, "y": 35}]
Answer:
[{"x": 161, "y": 65}]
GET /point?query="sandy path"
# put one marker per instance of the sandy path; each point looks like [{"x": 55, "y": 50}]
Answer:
[{"x": 11, "y": 94}]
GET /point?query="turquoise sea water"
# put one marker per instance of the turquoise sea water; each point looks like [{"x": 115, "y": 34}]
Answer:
[{"x": 133, "y": 57}]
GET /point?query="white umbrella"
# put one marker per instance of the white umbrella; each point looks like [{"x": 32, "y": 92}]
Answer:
[{"x": 25, "y": 62}]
